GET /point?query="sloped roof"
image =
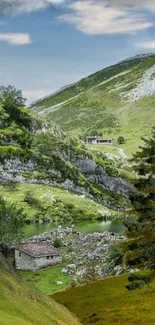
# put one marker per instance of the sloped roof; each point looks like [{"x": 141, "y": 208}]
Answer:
[{"x": 37, "y": 249}]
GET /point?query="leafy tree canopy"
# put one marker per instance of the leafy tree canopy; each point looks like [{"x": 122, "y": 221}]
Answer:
[
  {"x": 11, "y": 100},
  {"x": 90, "y": 132},
  {"x": 121, "y": 140},
  {"x": 11, "y": 95}
]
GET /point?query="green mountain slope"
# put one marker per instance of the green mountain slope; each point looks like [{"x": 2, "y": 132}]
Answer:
[
  {"x": 108, "y": 302},
  {"x": 118, "y": 100},
  {"x": 33, "y": 151},
  {"x": 21, "y": 304}
]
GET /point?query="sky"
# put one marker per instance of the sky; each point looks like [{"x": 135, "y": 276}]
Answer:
[{"x": 47, "y": 44}]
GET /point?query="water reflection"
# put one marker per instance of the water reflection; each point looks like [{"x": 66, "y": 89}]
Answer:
[{"x": 84, "y": 227}]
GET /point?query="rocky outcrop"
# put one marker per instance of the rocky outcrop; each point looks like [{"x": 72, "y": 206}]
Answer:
[
  {"x": 98, "y": 175},
  {"x": 82, "y": 249},
  {"x": 14, "y": 170}
]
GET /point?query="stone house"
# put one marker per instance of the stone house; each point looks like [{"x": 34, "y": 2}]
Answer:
[
  {"x": 98, "y": 140},
  {"x": 34, "y": 256}
]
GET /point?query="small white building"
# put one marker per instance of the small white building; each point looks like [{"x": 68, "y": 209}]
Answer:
[
  {"x": 99, "y": 140},
  {"x": 34, "y": 256}
]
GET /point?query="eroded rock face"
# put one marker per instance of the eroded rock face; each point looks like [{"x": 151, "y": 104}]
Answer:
[
  {"x": 97, "y": 174},
  {"x": 14, "y": 170},
  {"x": 16, "y": 166}
]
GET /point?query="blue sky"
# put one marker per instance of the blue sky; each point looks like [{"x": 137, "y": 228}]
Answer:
[{"x": 44, "y": 48}]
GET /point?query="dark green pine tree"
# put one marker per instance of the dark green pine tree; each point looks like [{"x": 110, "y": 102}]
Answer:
[{"x": 140, "y": 247}]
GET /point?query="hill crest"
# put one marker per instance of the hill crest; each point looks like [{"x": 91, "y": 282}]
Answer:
[{"x": 118, "y": 100}]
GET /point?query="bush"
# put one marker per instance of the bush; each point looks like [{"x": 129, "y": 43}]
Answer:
[
  {"x": 121, "y": 140},
  {"x": 57, "y": 243},
  {"x": 31, "y": 200},
  {"x": 115, "y": 255}
]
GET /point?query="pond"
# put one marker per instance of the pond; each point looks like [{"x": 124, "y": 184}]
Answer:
[{"x": 83, "y": 227}]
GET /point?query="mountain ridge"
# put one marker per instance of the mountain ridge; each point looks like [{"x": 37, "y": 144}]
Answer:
[
  {"x": 117, "y": 100},
  {"x": 138, "y": 56}
]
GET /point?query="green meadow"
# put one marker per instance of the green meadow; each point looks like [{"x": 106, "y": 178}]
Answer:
[{"x": 107, "y": 302}]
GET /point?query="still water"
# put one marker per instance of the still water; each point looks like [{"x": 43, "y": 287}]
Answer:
[{"x": 84, "y": 227}]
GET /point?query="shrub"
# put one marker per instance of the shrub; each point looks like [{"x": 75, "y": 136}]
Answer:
[
  {"x": 121, "y": 140},
  {"x": 57, "y": 243},
  {"x": 115, "y": 255}
]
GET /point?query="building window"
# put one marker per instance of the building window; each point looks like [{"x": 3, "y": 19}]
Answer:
[
  {"x": 47, "y": 257},
  {"x": 19, "y": 254}
]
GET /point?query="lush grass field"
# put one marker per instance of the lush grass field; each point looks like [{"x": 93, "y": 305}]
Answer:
[
  {"x": 107, "y": 302},
  {"x": 129, "y": 147},
  {"x": 46, "y": 279}
]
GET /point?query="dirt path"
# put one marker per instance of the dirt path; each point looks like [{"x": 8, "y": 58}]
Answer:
[
  {"x": 120, "y": 150},
  {"x": 122, "y": 154}
]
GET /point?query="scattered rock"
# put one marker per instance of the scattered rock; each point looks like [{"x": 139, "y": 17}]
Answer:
[
  {"x": 78, "y": 250},
  {"x": 59, "y": 282}
]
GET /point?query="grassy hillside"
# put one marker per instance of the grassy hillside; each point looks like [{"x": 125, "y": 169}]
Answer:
[
  {"x": 34, "y": 151},
  {"x": 21, "y": 304},
  {"x": 118, "y": 100},
  {"x": 108, "y": 302},
  {"x": 51, "y": 203}
]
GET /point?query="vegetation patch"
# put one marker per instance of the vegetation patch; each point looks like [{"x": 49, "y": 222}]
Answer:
[
  {"x": 46, "y": 280},
  {"x": 46, "y": 203},
  {"x": 22, "y": 304},
  {"x": 108, "y": 302}
]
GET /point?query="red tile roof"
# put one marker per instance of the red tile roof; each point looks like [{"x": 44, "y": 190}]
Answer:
[{"x": 37, "y": 249}]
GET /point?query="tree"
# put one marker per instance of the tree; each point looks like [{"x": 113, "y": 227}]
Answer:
[
  {"x": 11, "y": 223},
  {"x": 90, "y": 132},
  {"x": 11, "y": 94},
  {"x": 140, "y": 248},
  {"x": 121, "y": 140},
  {"x": 93, "y": 132},
  {"x": 11, "y": 99}
]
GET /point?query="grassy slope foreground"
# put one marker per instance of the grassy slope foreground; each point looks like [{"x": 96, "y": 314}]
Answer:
[
  {"x": 108, "y": 302},
  {"x": 118, "y": 100},
  {"x": 21, "y": 304}
]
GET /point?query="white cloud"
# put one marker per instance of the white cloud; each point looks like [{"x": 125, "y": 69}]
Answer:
[
  {"x": 147, "y": 4},
  {"x": 146, "y": 45},
  {"x": 91, "y": 17},
  {"x": 31, "y": 95},
  {"x": 15, "y": 38},
  {"x": 17, "y": 7}
]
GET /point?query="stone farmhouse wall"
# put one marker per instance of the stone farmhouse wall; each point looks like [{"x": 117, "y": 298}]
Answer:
[
  {"x": 24, "y": 261},
  {"x": 47, "y": 261}
]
